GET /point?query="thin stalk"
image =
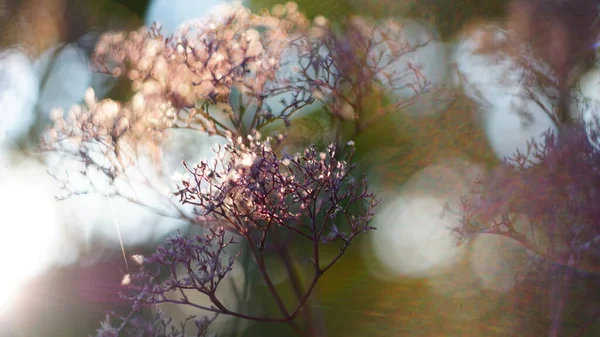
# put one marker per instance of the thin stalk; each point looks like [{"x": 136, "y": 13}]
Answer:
[
  {"x": 260, "y": 260},
  {"x": 296, "y": 283}
]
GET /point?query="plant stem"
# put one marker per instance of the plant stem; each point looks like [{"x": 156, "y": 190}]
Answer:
[
  {"x": 562, "y": 293},
  {"x": 295, "y": 279},
  {"x": 260, "y": 260}
]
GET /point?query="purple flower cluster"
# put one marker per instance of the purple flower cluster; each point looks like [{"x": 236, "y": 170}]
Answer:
[
  {"x": 157, "y": 326},
  {"x": 551, "y": 208},
  {"x": 558, "y": 197},
  {"x": 250, "y": 188}
]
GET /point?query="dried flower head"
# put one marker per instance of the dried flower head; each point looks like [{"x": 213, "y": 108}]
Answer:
[
  {"x": 557, "y": 197},
  {"x": 204, "y": 60},
  {"x": 251, "y": 188}
]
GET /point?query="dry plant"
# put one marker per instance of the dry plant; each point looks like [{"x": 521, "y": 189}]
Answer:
[{"x": 232, "y": 77}]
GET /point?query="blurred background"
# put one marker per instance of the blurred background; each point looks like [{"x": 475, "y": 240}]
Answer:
[{"x": 62, "y": 261}]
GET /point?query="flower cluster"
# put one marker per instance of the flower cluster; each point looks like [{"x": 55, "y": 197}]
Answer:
[
  {"x": 157, "y": 326},
  {"x": 203, "y": 258},
  {"x": 558, "y": 198},
  {"x": 546, "y": 198},
  {"x": 205, "y": 60},
  {"x": 198, "y": 263},
  {"x": 106, "y": 133},
  {"x": 407, "y": 58},
  {"x": 251, "y": 188}
]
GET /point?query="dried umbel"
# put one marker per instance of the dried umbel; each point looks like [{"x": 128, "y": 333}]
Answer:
[
  {"x": 379, "y": 57},
  {"x": 107, "y": 134},
  {"x": 205, "y": 262},
  {"x": 205, "y": 60},
  {"x": 250, "y": 188},
  {"x": 203, "y": 257},
  {"x": 550, "y": 207},
  {"x": 557, "y": 196}
]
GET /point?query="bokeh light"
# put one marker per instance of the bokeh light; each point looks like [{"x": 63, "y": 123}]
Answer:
[
  {"x": 19, "y": 85},
  {"x": 33, "y": 238},
  {"x": 414, "y": 236}
]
